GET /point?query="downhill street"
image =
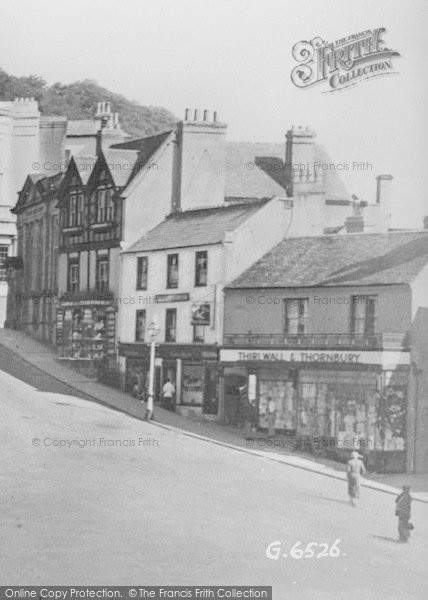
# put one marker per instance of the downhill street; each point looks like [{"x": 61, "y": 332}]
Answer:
[{"x": 166, "y": 509}]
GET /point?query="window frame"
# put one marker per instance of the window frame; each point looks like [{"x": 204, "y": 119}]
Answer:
[
  {"x": 104, "y": 205},
  {"x": 198, "y": 255},
  {"x": 73, "y": 262},
  {"x": 141, "y": 260},
  {"x": 3, "y": 270},
  {"x": 172, "y": 283},
  {"x": 169, "y": 312},
  {"x": 75, "y": 208},
  {"x": 102, "y": 260},
  {"x": 302, "y": 316},
  {"x": 140, "y": 336},
  {"x": 370, "y": 323},
  {"x": 201, "y": 338}
]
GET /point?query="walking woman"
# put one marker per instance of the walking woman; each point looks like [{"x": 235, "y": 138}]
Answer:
[{"x": 355, "y": 470}]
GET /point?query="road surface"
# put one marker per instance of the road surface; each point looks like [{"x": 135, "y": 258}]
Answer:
[{"x": 93, "y": 497}]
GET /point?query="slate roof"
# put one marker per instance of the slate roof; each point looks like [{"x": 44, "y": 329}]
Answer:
[
  {"x": 246, "y": 179},
  {"x": 198, "y": 227},
  {"x": 85, "y": 166},
  {"x": 357, "y": 259},
  {"x": 146, "y": 147},
  {"x": 121, "y": 164},
  {"x": 258, "y": 170}
]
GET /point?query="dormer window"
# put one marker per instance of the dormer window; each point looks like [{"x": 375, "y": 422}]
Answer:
[
  {"x": 105, "y": 205},
  {"x": 75, "y": 209}
]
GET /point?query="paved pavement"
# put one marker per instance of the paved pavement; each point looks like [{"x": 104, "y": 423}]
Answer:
[
  {"x": 91, "y": 496},
  {"x": 42, "y": 357}
]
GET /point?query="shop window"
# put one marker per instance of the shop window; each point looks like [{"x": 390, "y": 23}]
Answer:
[
  {"x": 193, "y": 385},
  {"x": 343, "y": 411},
  {"x": 363, "y": 315},
  {"x": 140, "y": 325},
  {"x": 295, "y": 315},
  {"x": 3, "y": 255},
  {"x": 392, "y": 413},
  {"x": 172, "y": 271},
  {"x": 199, "y": 333},
  {"x": 101, "y": 281},
  {"x": 171, "y": 325},
  {"x": 201, "y": 268},
  {"x": 73, "y": 275},
  {"x": 142, "y": 272},
  {"x": 83, "y": 333},
  {"x": 283, "y": 394}
]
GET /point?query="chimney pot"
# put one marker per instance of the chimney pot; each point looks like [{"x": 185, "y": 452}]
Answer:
[
  {"x": 196, "y": 115},
  {"x": 206, "y": 115},
  {"x": 215, "y": 116},
  {"x": 425, "y": 222},
  {"x": 187, "y": 114}
]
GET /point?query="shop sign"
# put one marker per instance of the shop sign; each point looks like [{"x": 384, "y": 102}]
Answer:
[
  {"x": 201, "y": 314},
  {"x": 352, "y": 358},
  {"x": 162, "y": 298}
]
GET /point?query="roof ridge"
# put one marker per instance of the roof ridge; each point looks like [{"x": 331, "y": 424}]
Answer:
[{"x": 226, "y": 206}]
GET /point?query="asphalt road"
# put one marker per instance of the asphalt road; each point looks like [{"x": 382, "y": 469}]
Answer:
[{"x": 93, "y": 497}]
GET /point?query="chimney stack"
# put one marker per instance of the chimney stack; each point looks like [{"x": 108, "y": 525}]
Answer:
[
  {"x": 300, "y": 162},
  {"x": 199, "y": 172}
]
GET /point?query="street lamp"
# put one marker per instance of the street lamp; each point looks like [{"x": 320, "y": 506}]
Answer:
[{"x": 153, "y": 331}]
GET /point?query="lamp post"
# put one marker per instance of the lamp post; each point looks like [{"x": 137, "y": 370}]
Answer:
[{"x": 153, "y": 331}]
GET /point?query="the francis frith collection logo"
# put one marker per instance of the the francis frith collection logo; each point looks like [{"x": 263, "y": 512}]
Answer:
[{"x": 342, "y": 63}]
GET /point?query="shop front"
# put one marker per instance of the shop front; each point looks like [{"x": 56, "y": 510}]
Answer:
[
  {"x": 192, "y": 369},
  {"x": 328, "y": 402},
  {"x": 85, "y": 329}
]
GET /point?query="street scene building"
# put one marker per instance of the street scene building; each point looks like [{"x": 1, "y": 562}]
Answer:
[
  {"x": 224, "y": 199},
  {"x": 33, "y": 272},
  {"x": 29, "y": 143},
  {"x": 325, "y": 327},
  {"x": 169, "y": 231}
]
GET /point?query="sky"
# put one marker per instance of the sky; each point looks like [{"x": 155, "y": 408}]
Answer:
[{"x": 235, "y": 57}]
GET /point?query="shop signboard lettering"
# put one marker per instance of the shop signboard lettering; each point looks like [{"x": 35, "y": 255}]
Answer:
[{"x": 322, "y": 357}]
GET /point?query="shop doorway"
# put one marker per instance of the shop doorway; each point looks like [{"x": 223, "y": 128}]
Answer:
[{"x": 232, "y": 383}]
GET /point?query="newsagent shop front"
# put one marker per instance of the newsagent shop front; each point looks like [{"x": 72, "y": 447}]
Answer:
[
  {"x": 192, "y": 369},
  {"x": 338, "y": 401}
]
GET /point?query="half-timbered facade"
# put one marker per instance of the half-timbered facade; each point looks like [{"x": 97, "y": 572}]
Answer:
[{"x": 90, "y": 233}]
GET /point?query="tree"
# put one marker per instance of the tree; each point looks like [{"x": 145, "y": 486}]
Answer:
[{"x": 78, "y": 100}]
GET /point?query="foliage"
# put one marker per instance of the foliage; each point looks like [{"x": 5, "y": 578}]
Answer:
[{"x": 78, "y": 100}]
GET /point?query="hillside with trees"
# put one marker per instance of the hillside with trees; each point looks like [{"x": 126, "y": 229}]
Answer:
[{"x": 78, "y": 100}]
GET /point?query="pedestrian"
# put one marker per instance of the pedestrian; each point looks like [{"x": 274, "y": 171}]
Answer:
[
  {"x": 355, "y": 470},
  {"x": 168, "y": 392},
  {"x": 248, "y": 416},
  {"x": 271, "y": 416},
  {"x": 402, "y": 511}
]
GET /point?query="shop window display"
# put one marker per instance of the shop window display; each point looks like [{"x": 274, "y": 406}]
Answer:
[
  {"x": 392, "y": 414},
  {"x": 283, "y": 394},
  {"x": 193, "y": 385},
  {"x": 84, "y": 333},
  {"x": 355, "y": 413}
]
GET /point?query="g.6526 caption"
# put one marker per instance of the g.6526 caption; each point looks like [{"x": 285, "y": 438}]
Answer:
[{"x": 313, "y": 549}]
